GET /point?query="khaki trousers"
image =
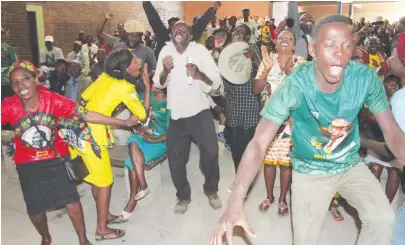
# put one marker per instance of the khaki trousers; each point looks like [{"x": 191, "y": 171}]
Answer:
[{"x": 311, "y": 195}]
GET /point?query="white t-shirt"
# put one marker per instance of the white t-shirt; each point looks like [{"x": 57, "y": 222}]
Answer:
[
  {"x": 398, "y": 107},
  {"x": 93, "y": 48},
  {"x": 253, "y": 27},
  {"x": 211, "y": 29},
  {"x": 46, "y": 56}
]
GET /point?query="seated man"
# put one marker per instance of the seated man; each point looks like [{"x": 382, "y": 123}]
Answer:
[{"x": 146, "y": 145}]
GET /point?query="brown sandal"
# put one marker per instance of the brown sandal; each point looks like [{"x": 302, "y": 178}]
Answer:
[
  {"x": 265, "y": 205},
  {"x": 105, "y": 236},
  {"x": 282, "y": 208}
]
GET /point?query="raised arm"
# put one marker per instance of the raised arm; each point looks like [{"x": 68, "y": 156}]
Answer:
[
  {"x": 293, "y": 14},
  {"x": 199, "y": 26},
  {"x": 158, "y": 27}
]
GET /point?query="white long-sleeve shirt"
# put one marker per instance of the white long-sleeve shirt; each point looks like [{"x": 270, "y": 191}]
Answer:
[{"x": 186, "y": 100}]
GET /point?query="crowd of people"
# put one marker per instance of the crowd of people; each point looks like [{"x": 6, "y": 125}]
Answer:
[{"x": 322, "y": 101}]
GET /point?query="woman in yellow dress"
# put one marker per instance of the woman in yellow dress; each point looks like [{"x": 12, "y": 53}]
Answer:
[{"x": 109, "y": 91}]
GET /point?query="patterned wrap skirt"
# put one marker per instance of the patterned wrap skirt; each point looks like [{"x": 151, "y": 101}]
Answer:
[
  {"x": 279, "y": 151},
  {"x": 46, "y": 186}
]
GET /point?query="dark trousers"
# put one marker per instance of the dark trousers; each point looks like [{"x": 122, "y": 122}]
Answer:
[
  {"x": 201, "y": 130},
  {"x": 239, "y": 140}
]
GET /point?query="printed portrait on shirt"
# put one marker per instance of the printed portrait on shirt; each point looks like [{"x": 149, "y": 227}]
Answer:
[
  {"x": 35, "y": 138},
  {"x": 334, "y": 139}
]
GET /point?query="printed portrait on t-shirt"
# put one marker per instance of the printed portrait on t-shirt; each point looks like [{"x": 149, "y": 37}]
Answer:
[{"x": 35, "y": 138}]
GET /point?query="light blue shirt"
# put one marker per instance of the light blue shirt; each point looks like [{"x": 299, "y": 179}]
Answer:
[
  {"x": 75, "y": 85},
  {"x": 398, "y": 107}
]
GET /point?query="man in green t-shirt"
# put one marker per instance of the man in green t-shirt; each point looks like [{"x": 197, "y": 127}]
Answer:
[{"x": 323, "y": 98}]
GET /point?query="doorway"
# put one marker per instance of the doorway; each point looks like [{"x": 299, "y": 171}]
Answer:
[{"x": 33, "y": 35}]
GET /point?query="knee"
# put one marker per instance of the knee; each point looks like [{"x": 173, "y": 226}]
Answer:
[
  {"x": 285, "y": 168},
  {"x": 211, "y": 150}
]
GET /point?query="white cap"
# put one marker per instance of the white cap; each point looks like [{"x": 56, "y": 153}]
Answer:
[{"x": 49, "y": 39}]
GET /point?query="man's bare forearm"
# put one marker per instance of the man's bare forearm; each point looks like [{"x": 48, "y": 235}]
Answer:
[
  {"x": 205, "y": 79},
  {"x": 252, "y": 159},
  {"x": 248, "y": 168},
  {"x": 100, "y": 31},
  {"x": 397, "y": 146}
]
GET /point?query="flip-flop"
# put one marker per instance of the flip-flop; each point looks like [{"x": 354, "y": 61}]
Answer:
[
  {"x": 118, "y": 234},
  {"x": 282, "y": 208},
  {"x": 265, "y": 205},
  {"x": 117, "y": 220},
  {"x": 141, "y": 194},
  {"x": 124, "y": 216}
]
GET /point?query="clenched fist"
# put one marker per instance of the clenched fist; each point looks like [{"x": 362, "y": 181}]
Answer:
[{"x": 168, "y": 63}]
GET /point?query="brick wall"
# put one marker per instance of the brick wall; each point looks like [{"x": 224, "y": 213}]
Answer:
[{"x": 64, "y": 20}]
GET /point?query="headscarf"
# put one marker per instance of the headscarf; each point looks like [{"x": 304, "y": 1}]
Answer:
[
  {"x": 401, "y": 47},
  {"x": 26, "y": 65}
]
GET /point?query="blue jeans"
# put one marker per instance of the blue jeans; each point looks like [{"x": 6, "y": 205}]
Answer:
[{"x": 398, "y": 237}]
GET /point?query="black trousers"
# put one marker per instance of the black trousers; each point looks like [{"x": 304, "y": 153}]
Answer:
[
  {"x": 239, "y": 140},
  {"x": 201, "y": 130}
]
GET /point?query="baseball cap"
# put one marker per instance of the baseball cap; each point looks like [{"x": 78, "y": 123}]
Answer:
[
  {"x": 49, "y": 39},
  {"x": 245, "y": 9}
]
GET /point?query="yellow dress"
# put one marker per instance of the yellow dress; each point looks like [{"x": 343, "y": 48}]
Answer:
[{"x": 103, "y": 96}]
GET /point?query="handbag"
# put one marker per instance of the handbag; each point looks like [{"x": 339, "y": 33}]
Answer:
[{"x": 75, "y": 168}]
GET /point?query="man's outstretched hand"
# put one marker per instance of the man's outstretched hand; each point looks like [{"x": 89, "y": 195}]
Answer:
[{"x": 233, "y": 216}]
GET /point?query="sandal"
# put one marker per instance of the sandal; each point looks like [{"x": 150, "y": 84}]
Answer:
[
  {"x": 124, "y": 216},
  {"x": 282, "y": 208},
  {"x": 265, "y": 205},
  {"x": 336, "y": 214},
  {"x": 117, "y": 234},
  {"x": 141, "y": 194},
  {"x": 117, "y": 220}
]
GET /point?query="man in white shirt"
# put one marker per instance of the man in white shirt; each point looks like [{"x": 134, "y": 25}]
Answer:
[
  {"x": 190, "y": 75},
  {"x": 78, "y": 54},
  {"x": 90, "y": 49},
  {"x": 50, "y": 54},
  {"x": 212, "y": 27},
  {"x": 249, "y": 22}
]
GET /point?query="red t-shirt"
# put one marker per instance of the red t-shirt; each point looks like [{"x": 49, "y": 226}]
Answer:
[{"x": 29, "y": 144}]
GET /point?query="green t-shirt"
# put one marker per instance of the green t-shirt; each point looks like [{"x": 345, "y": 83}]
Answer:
[
  {"x": 325, "y": 127},
  {"x": 7, "y": 59},
  {"x": 160, "y": 123}
]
